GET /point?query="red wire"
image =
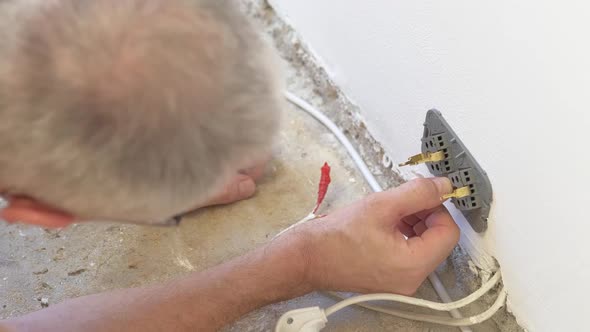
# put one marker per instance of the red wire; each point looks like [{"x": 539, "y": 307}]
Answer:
[{"x": 325, "y": 181}]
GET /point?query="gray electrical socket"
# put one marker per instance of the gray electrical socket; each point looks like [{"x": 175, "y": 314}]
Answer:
[{"x": 460, "y": 167}]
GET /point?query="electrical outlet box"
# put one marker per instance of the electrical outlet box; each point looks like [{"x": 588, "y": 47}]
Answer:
[{"x": 460, "y": 167}]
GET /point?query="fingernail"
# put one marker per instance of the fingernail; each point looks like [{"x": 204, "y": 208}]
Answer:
[
  {"x": 444, "y": 185},
  {"x": 247, "y": 188}
]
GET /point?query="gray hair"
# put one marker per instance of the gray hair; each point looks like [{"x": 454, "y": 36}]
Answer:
[{"x": 133, "y": 109}]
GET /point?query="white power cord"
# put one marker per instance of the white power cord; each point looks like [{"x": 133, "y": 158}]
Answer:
[
  {"x": 309, "y": 217},
  {"x": 457, "y": 322},
  {"x": 324, "y": 120},
  {"x": 418, "y": 302},
  {"x": 314, "y": 319}
]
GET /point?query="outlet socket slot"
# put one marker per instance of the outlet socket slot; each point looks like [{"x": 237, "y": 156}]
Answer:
[{"x": 465, "y": 178}]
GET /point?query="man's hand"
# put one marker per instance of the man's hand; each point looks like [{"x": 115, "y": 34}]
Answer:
[
  {"x": 363, "y": 247},
  {"x": 359, "y": 248}
]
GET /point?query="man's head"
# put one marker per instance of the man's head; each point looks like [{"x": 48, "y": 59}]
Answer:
[{"x": 130, "y": 110}]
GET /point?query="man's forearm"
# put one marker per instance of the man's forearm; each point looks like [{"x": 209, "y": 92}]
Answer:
[{"x": 203, "y": 301}]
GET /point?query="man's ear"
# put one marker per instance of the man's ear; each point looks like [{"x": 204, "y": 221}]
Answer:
[{"x": 28, "y": 211}]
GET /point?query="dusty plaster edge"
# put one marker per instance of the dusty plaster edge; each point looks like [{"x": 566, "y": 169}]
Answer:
[
  {"x": 476, "y": 264},
  {"x": 326, "y": 95}
]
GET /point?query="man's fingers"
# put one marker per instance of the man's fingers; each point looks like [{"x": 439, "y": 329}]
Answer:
[
  {"x": 415, "y": 224},
  {"x": 406, "y": 229},
  {"x": 439, "y": 237},
  {"x": 420, "y": 228},
  {"x": 411, "y": 219},
  {"x": 422, "y": 215},
  {"x": 255, "y": 172},
  {"x": 240, "y": 187},
  {"x": 417, "y": 195}
]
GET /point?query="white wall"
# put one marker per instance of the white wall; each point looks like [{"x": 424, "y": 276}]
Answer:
[{"x": 512, "y": 77}]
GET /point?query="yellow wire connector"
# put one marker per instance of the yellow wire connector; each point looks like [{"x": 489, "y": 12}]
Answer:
[
  {"x": 422, "y": 158},
  {"x": 458, "y": 193}
]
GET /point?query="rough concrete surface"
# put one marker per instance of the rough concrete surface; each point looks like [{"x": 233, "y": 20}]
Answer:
[{"x": 40, "y": 267}]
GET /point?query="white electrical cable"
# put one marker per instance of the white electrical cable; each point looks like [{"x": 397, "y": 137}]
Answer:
[
  {"x": 457, "y": 322},
  {"x": 359, "y": 162},
  {"x": 417, "y": 302},
  {"x": 375, "y": 186},
  {"x": 309, "y": 217}
]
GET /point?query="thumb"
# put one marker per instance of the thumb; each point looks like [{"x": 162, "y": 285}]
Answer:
[{"x": 417, "y": 195}]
